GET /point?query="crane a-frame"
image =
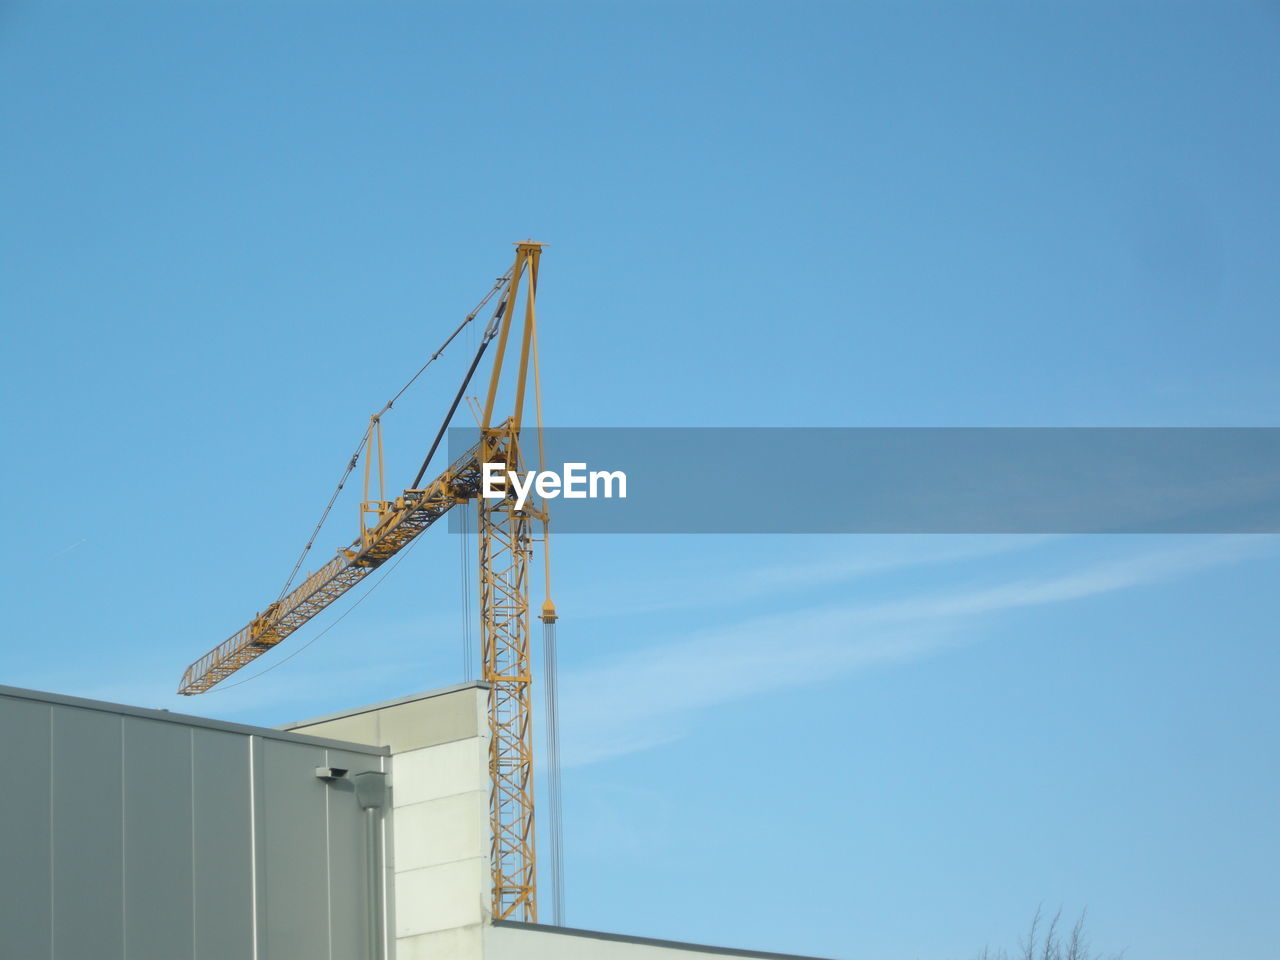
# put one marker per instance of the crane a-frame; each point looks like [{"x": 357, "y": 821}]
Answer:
[{"x": 506, "y": 538}]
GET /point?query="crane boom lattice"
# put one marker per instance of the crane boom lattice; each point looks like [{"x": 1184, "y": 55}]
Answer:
[
  {"x": 387, "y": 527},
  {"x": 400, "y": 523}
]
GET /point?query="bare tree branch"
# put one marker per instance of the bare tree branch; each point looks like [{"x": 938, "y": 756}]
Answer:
[{"x": 1047, "y": 942}]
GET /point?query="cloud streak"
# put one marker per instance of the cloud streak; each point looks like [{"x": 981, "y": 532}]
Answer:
[
  {"x": 879, "y": 554},
  {"x": 644, "y": 698}
]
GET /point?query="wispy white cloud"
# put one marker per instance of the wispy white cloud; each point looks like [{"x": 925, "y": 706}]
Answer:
[
  {"x": 68, "y": 549},
  {"x": 646, "y": 697},
  {"x": 874, "y": 555}
]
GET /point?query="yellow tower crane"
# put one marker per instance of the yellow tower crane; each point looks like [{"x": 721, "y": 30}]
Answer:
[{"x": 506, "y": 539}]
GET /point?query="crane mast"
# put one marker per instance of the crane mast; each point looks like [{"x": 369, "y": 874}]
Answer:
[
  {"x": 504, "y": 629},
  {"x": 506, "y": 536}
]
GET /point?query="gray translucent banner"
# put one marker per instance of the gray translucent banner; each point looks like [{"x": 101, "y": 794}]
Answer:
[{"x": 916, "y": 480}]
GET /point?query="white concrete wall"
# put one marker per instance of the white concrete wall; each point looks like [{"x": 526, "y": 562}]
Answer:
[
  {"x": 440, "y": 820},
  {"x": 439, "y": 814}
]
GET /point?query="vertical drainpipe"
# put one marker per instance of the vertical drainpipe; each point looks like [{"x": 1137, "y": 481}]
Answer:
[{"x": 371, "y": 792}]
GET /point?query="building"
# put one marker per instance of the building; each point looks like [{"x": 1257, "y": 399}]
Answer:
[{"x": 133, "y": 834}]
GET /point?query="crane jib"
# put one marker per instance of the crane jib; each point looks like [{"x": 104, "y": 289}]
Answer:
[{"x": 405, "y": 518}]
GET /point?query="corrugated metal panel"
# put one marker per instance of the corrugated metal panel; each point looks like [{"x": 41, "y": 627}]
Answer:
[
  {"x": 88, "y": 839},
  {"x": 222, "y": 843},
  {"x": 159, "y": 869},
  {"x": 133, "y": 837},
  {"x": 347, "y": 915},
  {"x": 26, "y": 907},
  {"x": 293, "y": 837}
]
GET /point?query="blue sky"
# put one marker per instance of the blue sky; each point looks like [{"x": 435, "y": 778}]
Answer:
[{"x": 232, "y": 230}]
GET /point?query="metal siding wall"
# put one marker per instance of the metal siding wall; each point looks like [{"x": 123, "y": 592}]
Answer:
[
  {"x": 158, "y": 869},
  {"x": 88, "y": 850},
  {"x": 223, "y": 851},
  {"x": 133, "y": 838},
  {"x": 26, "y": 907},
  {"x": 293, "y": 840},
  {"x": 348, "y": 902}
]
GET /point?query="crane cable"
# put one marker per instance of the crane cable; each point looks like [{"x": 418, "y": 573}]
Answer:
[
  {"x": 464, "y": 565},
  {"x": 550, "y": 680},
  {"x": 501, "y": 282},
  {"x": 363, "y": 597},
  {"x": 490, "y": 330}
]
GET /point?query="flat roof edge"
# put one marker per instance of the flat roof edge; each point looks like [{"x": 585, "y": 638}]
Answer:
[
  {"x": 186, "y": 720},
  {"x": 411, "y": 698},
  {"x": 652, "y": 941}
]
